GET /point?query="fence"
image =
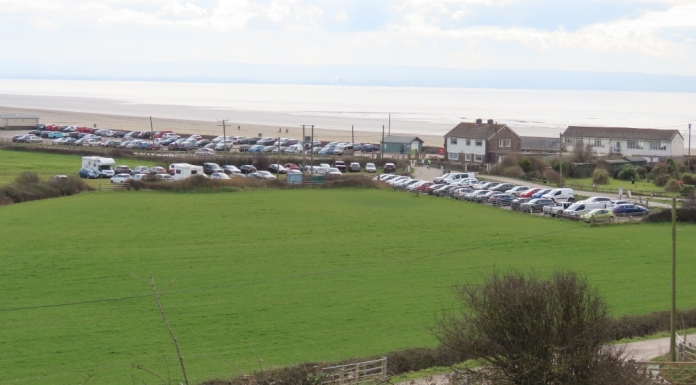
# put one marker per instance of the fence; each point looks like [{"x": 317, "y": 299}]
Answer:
[
  {"x": 645, "y": 193},
  {"x": 368, "y": 372},
  {"x": 670, "y": 373},
  {"x": 113, "y": 186}
]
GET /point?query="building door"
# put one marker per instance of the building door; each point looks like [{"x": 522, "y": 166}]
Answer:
[{"x": 617, "y": 147}]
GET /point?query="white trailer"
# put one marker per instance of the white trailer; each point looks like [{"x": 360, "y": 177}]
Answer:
[
  {"x": 101, "y": 165},
  {"x": 185, "y": 170}
]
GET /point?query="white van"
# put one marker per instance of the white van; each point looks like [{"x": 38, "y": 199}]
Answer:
[
  {"x": 294, "y": 149},
  {"x": 560, "y": 195},
  {"x": 585, "y": 206},
  {"x": 100, "y": 165},
  {"x": 457, "y": 176},
  {"x": 344, "y": 149},
  {"x": 185, "y": 170}
]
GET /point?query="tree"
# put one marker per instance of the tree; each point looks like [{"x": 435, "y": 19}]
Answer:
[
  {"x": 582, "y": 154},
  {"x": 525, "y": 330},
  {"x": 526, "y": 165}
]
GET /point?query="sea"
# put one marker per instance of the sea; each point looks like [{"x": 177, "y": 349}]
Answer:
[{"x": 413, "y": 110}]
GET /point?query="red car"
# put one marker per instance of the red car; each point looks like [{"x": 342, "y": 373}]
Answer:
[
  {"x": 84, "y": 130},
  {"x": 292, "y": 166},
  {"x": 52, "y": 127},
  {"x": 530, "y": 192},
  {"x": 424, "y": 187}
]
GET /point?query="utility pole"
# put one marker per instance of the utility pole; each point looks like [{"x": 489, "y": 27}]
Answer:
[
  {"x": 224, "y": 133},
  {"x": 152, "y": 134},
  {"x": 689, "y": 142},
  {"x": 673, "y": 313},
  {"x": 560, "y": 159},
  {"x": 389, "y": 124},
  {"x": 278, "y": 168},
  {"x": 381, "y": 145},
  {"x": 304, "y": 146},
  {"x": 311, "y": 155},
  {"x": 352, "y": 136}
]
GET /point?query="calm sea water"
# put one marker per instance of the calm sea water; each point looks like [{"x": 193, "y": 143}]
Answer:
[{"x": 535, "y": 112}]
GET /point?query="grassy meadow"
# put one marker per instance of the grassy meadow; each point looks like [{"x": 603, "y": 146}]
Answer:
[
  {"x": 46, "y": 165},
  {"x": 285, "y": 276}
]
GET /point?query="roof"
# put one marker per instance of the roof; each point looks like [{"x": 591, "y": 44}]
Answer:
[
  {"x": 635, "y": 158},
  {"x": 620, "y": 133},
  {"x": 474, "y": 130},
  {"x": 401, "y": 139},
  {"x": 18, "y": 116},
  {"x": 540, "y": 143},
  {"x": 617, "y": 161}
]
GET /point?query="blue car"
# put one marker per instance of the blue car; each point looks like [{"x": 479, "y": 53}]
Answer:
[
  {"x": 630, "y": 209},
  {"x": 539, "y": 194},
  {"x": 55, "y": 134},
  {"x": 327, "y": 151},
  {"x": 256, "y": 148},
  {"x": 89, "y": 174},
  {"x": 369, "y": 148}
]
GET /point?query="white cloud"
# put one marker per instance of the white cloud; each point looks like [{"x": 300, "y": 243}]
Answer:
[{"x": 341, "y": 17}]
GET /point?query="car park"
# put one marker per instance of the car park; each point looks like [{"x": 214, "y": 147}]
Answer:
[
  {"x": 121, "y": 178},
  {"x": 598, "y": 215}
]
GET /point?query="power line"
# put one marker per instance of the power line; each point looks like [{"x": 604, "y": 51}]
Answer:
[{"x": 290, "y": 277}]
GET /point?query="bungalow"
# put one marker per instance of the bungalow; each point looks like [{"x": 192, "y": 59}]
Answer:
[
  {"x": 396, "y": 144},
  {"x": 481, "y": 142},
  {"x": 651, "y": 144},
  {"x": 540, "y": 145}
]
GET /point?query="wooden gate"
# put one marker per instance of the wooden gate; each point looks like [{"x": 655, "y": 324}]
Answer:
[{"x": 368, "y": 372}]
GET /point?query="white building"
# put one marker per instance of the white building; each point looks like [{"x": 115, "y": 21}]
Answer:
[
  {"x": 651, "y": 144},
  {"x": 17, "y": 121}
]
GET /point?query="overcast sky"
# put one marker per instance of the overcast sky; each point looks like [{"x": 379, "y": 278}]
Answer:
[{"x": 651, "y": 36}]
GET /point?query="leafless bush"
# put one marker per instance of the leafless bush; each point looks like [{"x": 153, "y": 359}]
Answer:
[
  {"x": 527, "y": 330},
  {"x": 552, "y": 175},
  {"x": 28, "y": 187},
  {"x": 582, "y": 154}
]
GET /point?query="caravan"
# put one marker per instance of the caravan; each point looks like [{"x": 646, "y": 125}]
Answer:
[
  {"x": 184, "y": 170},
  {"x": 99, "y": 165}
]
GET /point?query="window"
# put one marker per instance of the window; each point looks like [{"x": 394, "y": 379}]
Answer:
[
  {"x": 467, "y": 157},
  {"x": 505, "y": 143},
  {"x": 479, "y": 142},
  {"x": 468, "y": 142},
  {"x": 478, "y": 158},
  {"x": 635, "y": 144},
  {"x": 662, "y": 146},
  {"x": 453, "y": 140},
  {"x": 597, "y": 142},
  {"x": 453, "y": 156},
  {"x": 572, "y": 142}
]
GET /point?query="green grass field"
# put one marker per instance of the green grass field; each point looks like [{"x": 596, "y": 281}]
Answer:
[
  {"x": 286, "y": 276},
  {"x": 13, "y": 163},
  {"x": 616, "y": 183}
]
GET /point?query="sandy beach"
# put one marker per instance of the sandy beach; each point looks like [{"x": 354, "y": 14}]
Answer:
[{"x": 201, "y": 127}]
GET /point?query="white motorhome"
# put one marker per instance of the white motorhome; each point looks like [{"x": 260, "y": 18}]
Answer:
[
  {"x": 100, "y": 165},
  {"x": 184, "y": 170}
]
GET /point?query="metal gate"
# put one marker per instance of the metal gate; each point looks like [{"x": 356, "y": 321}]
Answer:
[{"x": 368, "y": 372}]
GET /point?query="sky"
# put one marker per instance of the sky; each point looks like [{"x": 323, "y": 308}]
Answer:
[{"x": 644, "y": 36}]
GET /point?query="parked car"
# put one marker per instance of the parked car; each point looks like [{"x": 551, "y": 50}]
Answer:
[
  {"x": 277, "y": 169},
  {"x": 164, "y": 177},
  {"x": 369, "y": 148},
  {"x": 370, "y": 167},
  {"x": 231, "y": 169},
  {"x": 517, "y": 191},
  {"x": 540, "y": 193},
  {"x": 503, "y": 187},
  {"x": 630, "y": 209},
  {"x": 598, "y": 215},
  {"x": 389, "y": 168},
  {"x": 157, "y": 170},
  {"x": 219, "y": 175},
  {"x": 261, "y": 175},
  {"x": 561, "y": 195},
  {"x": 122, "y": 169},
  {"x": 334, "y": 171},
  {"x": 121, "y": 178},
  {"x": 247, "y": 169},
  {"x": 556, "y": 209},
  {"x": 501, "y": 200},
  {"x": 340, "y": 165},
  {"x": 141, "y": 176},
  {"x": 256, "y": 148},
  {"x": 210, "y": 168},
  {"x": 530, "y": 192},
  {"x": 485, "y": 198},
  {"x": 141, "y": 170},
  {"x": 88, "y": 173},
  {"x": 536, "y": 205},
  {"x": 612, "y": 205},
  {"x": 205, "y": 152},
  {"x": 516, "y": 203},
  {"x": 354, "y": 167}
]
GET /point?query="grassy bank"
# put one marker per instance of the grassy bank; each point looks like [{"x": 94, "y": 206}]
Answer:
[{"x": 286, "y": 276}]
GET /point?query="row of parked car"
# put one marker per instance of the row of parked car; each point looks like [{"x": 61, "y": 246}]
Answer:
[{"x": 559, "y": 202}]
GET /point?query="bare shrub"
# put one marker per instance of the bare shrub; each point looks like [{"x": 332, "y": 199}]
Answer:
[
  {"x": 528, "y": 330},
  {"x": 582, "y": 154},
  {"x": 672, "y": 186},
  {"x": 552, "y": 175},
  {"x": 600, "y": 176},
  {"x": 27, "y": 177}
]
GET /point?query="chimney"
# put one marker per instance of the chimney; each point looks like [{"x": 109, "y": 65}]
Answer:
[
  {"x": 479, "y": 121},
  {"x": 490, "y": 122}
]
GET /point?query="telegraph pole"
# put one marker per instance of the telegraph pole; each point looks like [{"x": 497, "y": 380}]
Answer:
[
  {"x": 311, "y": 155},
  {"x": 381, "y": 145},
  {"x": 278, "y": 168},
  {"x": 152, "y": 134},
  {"x": 673, "y": 312},
  {"x": 224, "y": 132},
  {"x": 352, "y": 135},
  {"x": 560, "y": 159},
  {"x": 389, "y": 124},
  {"x": 689, "y": 142},
  {"x": 304, "y": 146}
]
